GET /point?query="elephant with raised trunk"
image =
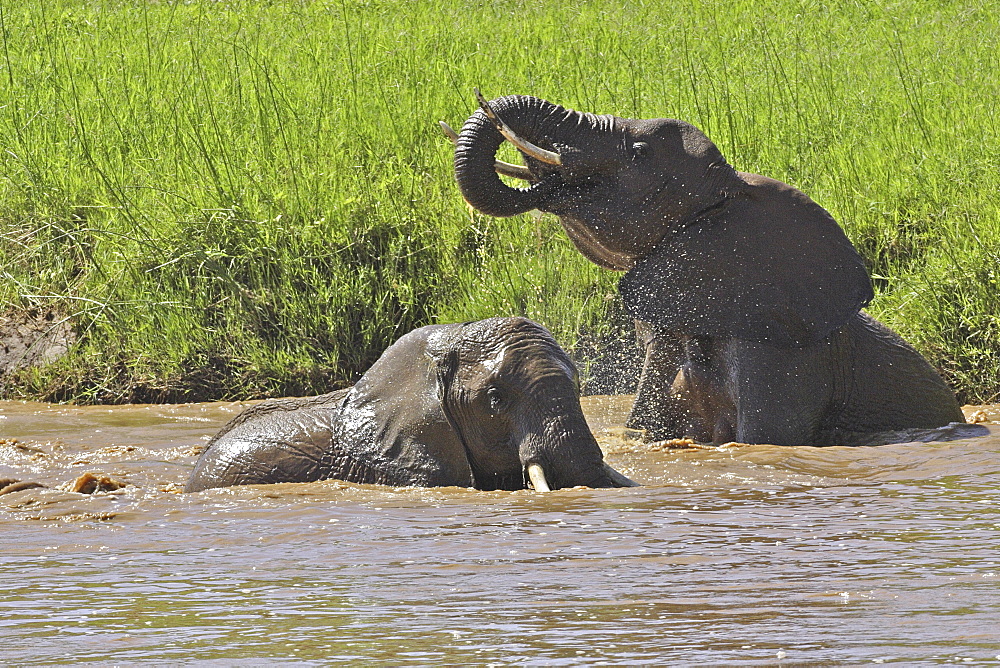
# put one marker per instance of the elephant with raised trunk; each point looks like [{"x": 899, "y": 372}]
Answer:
[
  {"x": 748, "y": 293},
  {"x": 490, "y": 404}
]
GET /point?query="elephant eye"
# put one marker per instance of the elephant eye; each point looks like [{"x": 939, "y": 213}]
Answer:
[
  {"x": 495, "y": 397},
  {"x": 640, "y": 149}
]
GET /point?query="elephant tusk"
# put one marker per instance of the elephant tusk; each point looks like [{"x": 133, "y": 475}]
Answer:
[
  {"x": 448, "y": 132},
  {"x": 526, "y": 147},
  {"x": 537, "y": 476},
  {"x": 505, "y": 168},
  {"x": 513, "y": 171},
  {"x": 618, "y": 478}
]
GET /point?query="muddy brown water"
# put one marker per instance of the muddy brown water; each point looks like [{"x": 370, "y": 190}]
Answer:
[{"x": 752, "y": 555}]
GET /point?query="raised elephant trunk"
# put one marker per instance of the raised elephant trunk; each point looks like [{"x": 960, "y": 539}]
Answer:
[
  {"x": 526, "y": 147},
  {"x": 529, "y": 123}
]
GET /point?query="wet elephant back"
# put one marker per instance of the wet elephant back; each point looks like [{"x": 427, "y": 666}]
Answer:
[{"x": 279, "y": 440}]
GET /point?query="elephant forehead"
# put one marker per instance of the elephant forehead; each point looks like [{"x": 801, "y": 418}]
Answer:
[
  {"x": 651, "y": 126},
  {"x": 492, "y": 364},
  {"x": 437, "y": 338},
  {"x": 526, "y": 363},
  {"x": 532, "y": 367},
  {"x": 511, "y": 346}
]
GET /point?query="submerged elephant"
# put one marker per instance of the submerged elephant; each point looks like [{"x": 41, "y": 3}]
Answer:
[
  {"x": 748, "y": 293},
  {"x": 486, "y": 404}
]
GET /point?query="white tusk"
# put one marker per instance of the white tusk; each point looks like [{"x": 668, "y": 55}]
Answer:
[
  {"x": 448, "y": 132},
  {"x": 505, "y": 168},
  {"x": 537, "y": 476},
  {"x": 526, "y": 147}
]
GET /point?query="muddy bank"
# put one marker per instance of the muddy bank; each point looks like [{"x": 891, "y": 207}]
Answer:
[{"x": 32, "y": 338}]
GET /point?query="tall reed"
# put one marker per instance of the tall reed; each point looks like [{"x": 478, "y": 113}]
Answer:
[{"x": 245, "y": 198}]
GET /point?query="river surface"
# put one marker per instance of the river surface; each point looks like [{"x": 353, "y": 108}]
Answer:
[{"x": 754, "y": 555}]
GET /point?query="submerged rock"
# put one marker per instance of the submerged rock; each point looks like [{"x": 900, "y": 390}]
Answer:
[{"x": 89, "y": 483}]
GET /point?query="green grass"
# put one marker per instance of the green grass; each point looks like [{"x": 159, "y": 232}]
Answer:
[{"x": 239, "y": 199}]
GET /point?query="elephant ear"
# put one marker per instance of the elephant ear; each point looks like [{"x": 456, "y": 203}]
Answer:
[
  {"x": 393, "y": 418},
  {"x": 772, "y": 267}
]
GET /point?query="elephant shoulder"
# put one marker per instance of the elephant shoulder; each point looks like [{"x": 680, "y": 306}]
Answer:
[
  {"x": 272, "y": 409},
  {"x": 279, "y": 440},
  {"x": 770, "y": 265}
]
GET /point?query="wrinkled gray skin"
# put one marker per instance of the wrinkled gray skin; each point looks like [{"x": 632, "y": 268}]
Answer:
[
  {"x": 471, "y": 405},
  {"x": 747, "y": 292}
]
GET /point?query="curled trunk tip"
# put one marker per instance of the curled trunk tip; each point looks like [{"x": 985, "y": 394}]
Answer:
[
  {"x": 501, "y": 167},
  {"x": 617, "y": 478}
]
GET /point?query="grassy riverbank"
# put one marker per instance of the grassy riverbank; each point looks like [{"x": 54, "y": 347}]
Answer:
[{"x": 238, "y": 199}]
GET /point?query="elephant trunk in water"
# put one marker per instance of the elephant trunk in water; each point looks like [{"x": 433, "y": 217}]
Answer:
[
  {"x": 526, "y": 407},
  {"x": 562, "y": 452},
  {"x": 559, "y": 450}
]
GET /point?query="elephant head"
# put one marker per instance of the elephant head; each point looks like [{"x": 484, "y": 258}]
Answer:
[
  {"x": 488, "y": 404},
  {"x": 709, "y": 251}
]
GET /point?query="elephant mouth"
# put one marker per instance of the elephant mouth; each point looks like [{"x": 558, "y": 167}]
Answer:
[
  {"x": 576, "y": 195},
  {"x": 606, "y": 477},
  {"x": 510, "y": 482}
]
